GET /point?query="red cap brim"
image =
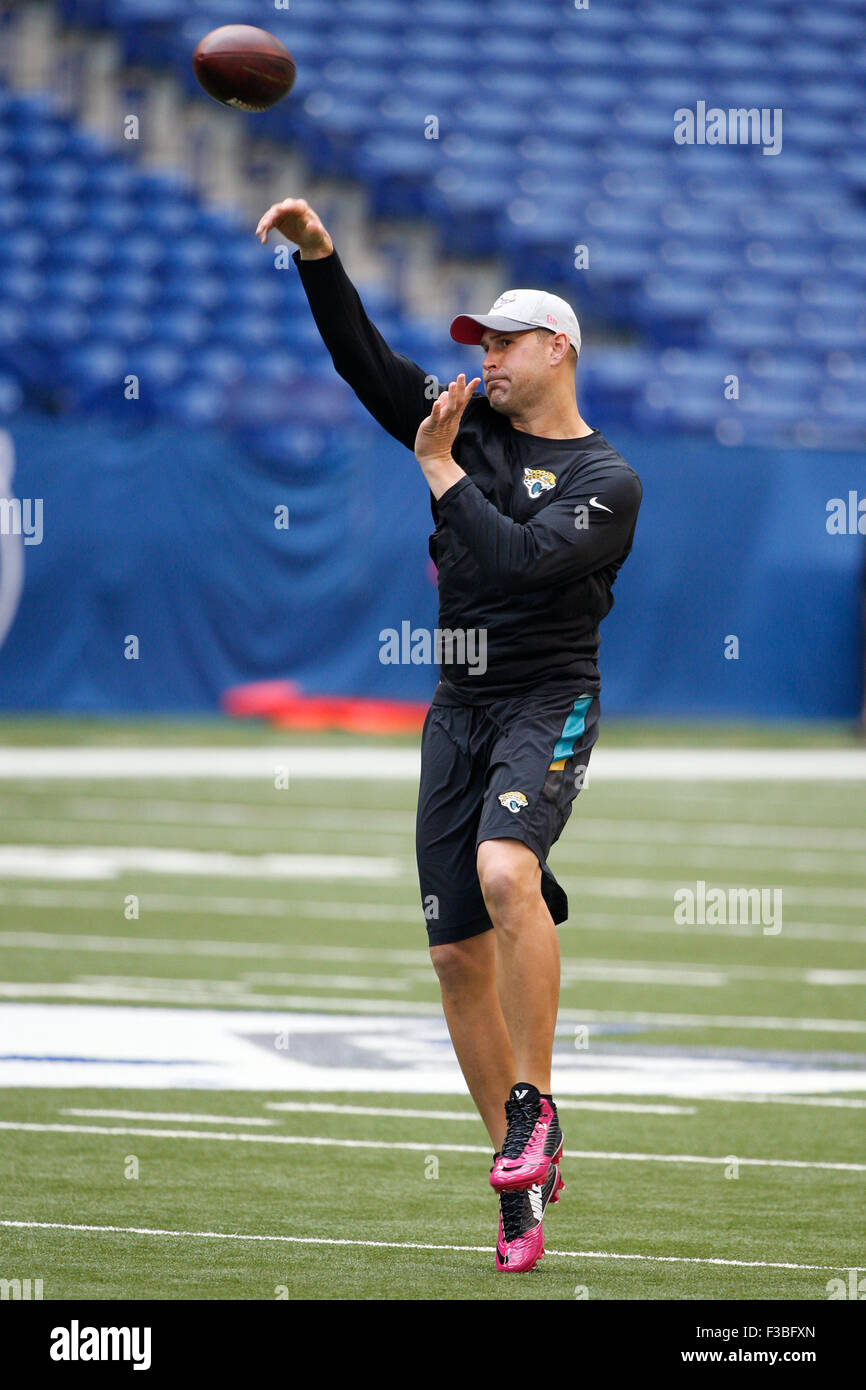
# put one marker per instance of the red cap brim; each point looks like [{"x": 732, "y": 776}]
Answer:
[{"x": 466, "y": 329}]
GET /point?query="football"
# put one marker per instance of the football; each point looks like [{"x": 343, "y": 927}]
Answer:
[{"x": 244, "y": 67}]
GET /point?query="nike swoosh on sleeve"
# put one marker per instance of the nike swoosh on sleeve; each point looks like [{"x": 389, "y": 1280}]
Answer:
[{"x": 594, "y": 502}]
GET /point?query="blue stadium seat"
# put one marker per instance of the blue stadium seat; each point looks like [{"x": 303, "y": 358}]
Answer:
[
  {"x": 806, "y": 58},
  {"x": 89, "y": 247},
  {"x": 683, "y": 255},
  {"x": 63, "y": 284},
  {"x": 752, "y": 23},
  {"x": 158, "y": 365},
  {"x": 610, "y": 377},
  {"x": 753, "y": 293},
  {"x": 120, "y": 324},
  {"x": 59, "y": 179},
  {"x": 11, "y": 396},
  {"x": 196, "y": 404},
  {"x": 674, "y": 20},
  {"x": 21, "y": 246},
  {"x": 93, "y": 373},
  {"x": 747, "y": 330},
  {"x": 677, "y": 305},
  {"x": 827, "y": 328}
]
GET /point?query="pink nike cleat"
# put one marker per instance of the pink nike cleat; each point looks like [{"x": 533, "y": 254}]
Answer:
[
  {"x": 520, "y": 1243},
  {"x": 533, "y": 1141}
]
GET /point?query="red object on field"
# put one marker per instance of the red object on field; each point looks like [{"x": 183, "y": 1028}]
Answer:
[
  {"x": 258, "y": 701},
  {"x": 286, "y": 706}
]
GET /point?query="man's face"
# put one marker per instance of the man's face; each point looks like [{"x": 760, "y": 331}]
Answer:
[{"x": 515, "y": 369}]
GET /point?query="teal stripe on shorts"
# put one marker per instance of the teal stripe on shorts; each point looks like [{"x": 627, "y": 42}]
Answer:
[{"x": 573, "y": 728}]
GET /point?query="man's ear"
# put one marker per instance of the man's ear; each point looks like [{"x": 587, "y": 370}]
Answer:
[{"x": 559, "y": 348}]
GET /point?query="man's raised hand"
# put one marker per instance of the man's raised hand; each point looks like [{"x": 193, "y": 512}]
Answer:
[
  {"x": 299, "y": 223},
  {"x": 437, "y": 433}
]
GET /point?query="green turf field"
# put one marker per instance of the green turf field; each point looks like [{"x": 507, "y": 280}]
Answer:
[
  {"x": 662, "y": 1175},
  {"x": 684, "y": 1211}
]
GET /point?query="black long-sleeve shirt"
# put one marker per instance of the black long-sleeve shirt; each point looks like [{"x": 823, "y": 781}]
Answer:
[{"x": 527, "y": 545}]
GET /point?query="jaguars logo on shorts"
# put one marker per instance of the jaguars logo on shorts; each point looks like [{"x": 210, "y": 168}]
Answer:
[
  {"x": 538, "y": 480},
  {"x": 513, "y": 801}
]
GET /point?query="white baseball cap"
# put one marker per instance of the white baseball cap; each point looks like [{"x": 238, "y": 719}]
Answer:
[{"x": 515, "y": 311}]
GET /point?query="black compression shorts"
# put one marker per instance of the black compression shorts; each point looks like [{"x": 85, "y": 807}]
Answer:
[{"x": 505, "y": 770}]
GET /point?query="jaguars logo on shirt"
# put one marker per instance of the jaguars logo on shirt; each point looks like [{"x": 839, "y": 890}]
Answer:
[
  {"x": 538, "y": 480},
  {"x": 513, "y": 801}
]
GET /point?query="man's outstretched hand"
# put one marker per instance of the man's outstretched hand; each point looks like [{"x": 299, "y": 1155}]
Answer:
[
  {"x": 437, "y": 433},
  {"x": 299, "y": 223}
]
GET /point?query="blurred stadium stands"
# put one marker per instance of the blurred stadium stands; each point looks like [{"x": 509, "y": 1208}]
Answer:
[{"x": 555, "y": 132}]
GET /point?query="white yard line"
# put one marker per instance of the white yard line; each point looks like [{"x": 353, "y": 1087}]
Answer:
[
  {"x": 696, "y": 831},
  {"x": 832, "y": 1102},
  {"x": 403, "y": 764},
  {"x": 659, "y": 924},
  {"x": 713, "y": 834},
  {"x": 62, "y": 941},
  {"x": 229, "y": 993},
  {"x": 79, "y": 862},
  {"x": 349, "y": 913},
  {"x": 315, "y": 1107},
  {"x": 706, "y": 860},
  {"x": 364, "y": 984},
  {"x": 759, "y": 1021},
  {"x": 411, "y": 1146},
  {"x": 323, "y": 1108},
  {"x": 574, "y": 970},
  {"x": 128, "y": 945},
  {"x": 599, "y": 843},
  {"x": 224, "y": 905},
  {"x": 110, "y": 861},
  {"x": 658, "y": 888},
  {"x": 180, "y": 1117},
  {"x": 671, "y": 973},
  {"x": 230, "y": 815},
  {"x": 406, "y": 1245},
  {"x": 626, "y": 1107}
]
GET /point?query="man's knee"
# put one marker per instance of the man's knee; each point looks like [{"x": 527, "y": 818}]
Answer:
[
  {"x": 510, "y": 876},
  {"x": 462, "y": 965}
]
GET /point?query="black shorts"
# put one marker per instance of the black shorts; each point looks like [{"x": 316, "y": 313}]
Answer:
[{"x": 506, "y": 770}]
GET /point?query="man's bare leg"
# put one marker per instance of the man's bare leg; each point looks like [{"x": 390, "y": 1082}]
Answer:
[
  {"x": 500, "y": 990},
  {"x": 467, "y": 977},
  {"x": 527, "y": 955}
]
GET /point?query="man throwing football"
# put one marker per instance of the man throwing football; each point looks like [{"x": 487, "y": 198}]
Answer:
[{"x": 534, "y": 514}]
